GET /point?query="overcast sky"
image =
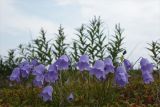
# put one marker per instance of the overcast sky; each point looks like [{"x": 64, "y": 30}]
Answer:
[{"x": 21, "y": 20}]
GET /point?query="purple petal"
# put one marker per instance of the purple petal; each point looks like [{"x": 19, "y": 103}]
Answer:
[
  {"x": 15, "y": 76},
  {"x": 38, "y": 70},
  {"x": 47, "y": 93},
  {"x": 84, "y": 58},
  {"x": 38, "y": 81},
  {"x": 98, "y": 69},
  {"x": 109, "y": 67},
  {"x": 121, "y": 77},
  {"x": 63, "y": 63},
  {"x": 127, "y": 65}
]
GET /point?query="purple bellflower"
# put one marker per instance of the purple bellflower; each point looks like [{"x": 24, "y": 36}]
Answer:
[
  {"x": 147, "y": 69},
  {"x": 83, "y": 63},
  {"x": 147, "y": 78},
  {"x": 63, "y": 62},
  {"x": 120, "y": 76},
  {"x": 70, "y": 97},
  {"x": 25, "y": 70},
  {"x": 52, "y": 75},
  {"x": 38, "y": 70},
  {"x": 109, "y": 67},
  {"x": 127, "y": 64},
  {"x": 39, "y": 81},
  {"x": 15, "y": 76},
  {"x": 146, "y": 65},
  {"x": 98, "y": 70},
  {"x": 46, "y": 94}
]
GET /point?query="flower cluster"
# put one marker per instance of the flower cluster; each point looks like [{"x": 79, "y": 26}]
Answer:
[
  {"x": 41, "y": 74},
  {"x": 44, "y": 78}
]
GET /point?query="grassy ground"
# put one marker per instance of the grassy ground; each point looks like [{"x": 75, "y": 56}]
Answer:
[{"x": 87, "y": 91}]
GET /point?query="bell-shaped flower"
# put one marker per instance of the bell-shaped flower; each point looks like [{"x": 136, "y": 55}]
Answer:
[
  {"x": 15, "y": 76},
  {"x": 70, "y": 97},
  {"x": 147, "y": 69},
  {"x": 53, "y": 67},
  {"x": 127, "y": 64},
  {"x": 46, "y": 94},
  {"x": 25, "y": 70},
  {"x": 120, "y": 76},
  {"x": 83, "y": 63},
  {"x": 98, "y": 70},
  {"x": 52, "y": 75},
  {"x": 38, "y": 70},
  {"x": 63, "y": 62},
  {"x": 39, "y": 80},
  {"x": 146, "y": 65},
  {"x": 109, "y": 67},
  {"x": 147, "y": 78}
]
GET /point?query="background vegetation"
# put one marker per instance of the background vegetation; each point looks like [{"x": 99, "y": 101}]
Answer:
[{"x": 91, "y": 39}]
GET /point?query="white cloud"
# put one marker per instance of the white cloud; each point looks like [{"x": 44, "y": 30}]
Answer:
[
  {"x": 16, "y": 24},
  {"x": 13, "y": 18}
]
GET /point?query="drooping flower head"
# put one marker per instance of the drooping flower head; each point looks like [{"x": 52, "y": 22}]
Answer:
[
  {"x": 25, "y": 70},
  {"x": 38, "y": 70},
  {"x": 39, "y": 80},
  {"x": 127, "y": 64},
  {"x": 47, "y": 93},
  {"x": 53, "y": 68},
  {"x": 15, "y": 76},
  {"x": 70, "y": 97},
  {"x": 120, "y": 76},
  {"x": 52, "y": 75},
  {"x": 147, "y": 78},
  {"x": 109, "y": 67},
  {"x": 83, "y": 63},
  {"x": 146, "y": 65},
  {"x": 63, "y": 62},
  {"x": 98, "y": 70},
  {"x": 147, "y": 69}
]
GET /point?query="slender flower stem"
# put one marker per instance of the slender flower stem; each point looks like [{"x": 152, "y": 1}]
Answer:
[
  {"x": 61, "y": 90},
  {"x": 136, "y": 61}
]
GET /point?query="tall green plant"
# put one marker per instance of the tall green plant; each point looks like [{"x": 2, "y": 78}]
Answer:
[
  {"x": 91, "y": 40},
  {"x": 8, "y": 63},
  {"x": 42, "y": 49},
  {"x": 80, "y": 44},
  {"x": 96, "y": 39},
  {"x": 60, "y": 46},
  {"x": 115, "y": 45},
  {"x": 75, "y": 55},
  {"x": 27, "y": 52},
  {"x": 154, "y": 48}
]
